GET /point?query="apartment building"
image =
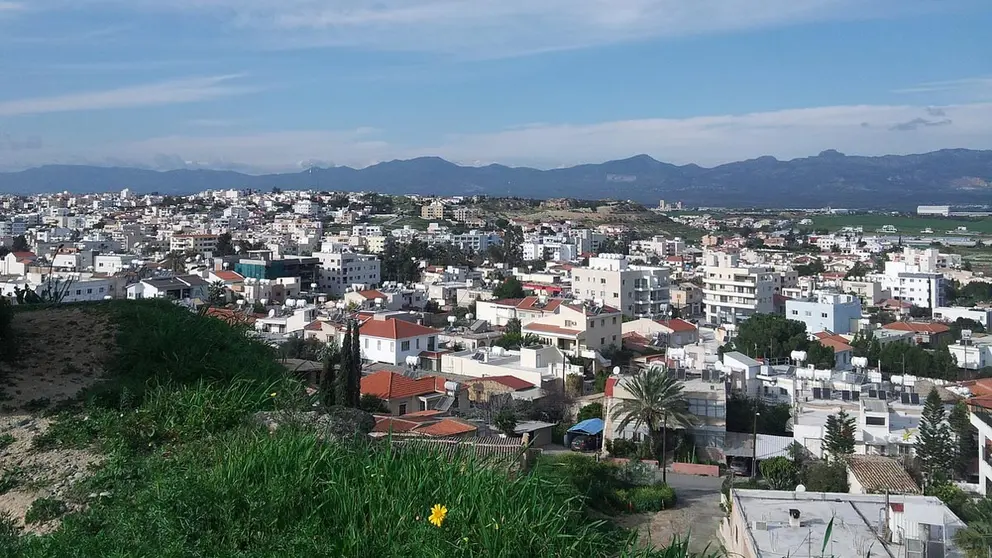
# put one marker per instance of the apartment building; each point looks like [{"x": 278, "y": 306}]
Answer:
[
  {"x": 579, "y": 329},
  {"x": 260, "y": 264},
  {"x": 499, "y": 312},
  {"x": 825, "y": 311},
  {"x": 199, "y": 243},
  {"x": 914, "y": 277},
  {"x": 435, "y": 211},
  {"x": 637, "y": 291},
  {"x": 340, "y": 271},
  {"x": 687, "y": 298},
  {"x": 306, "y": 207},
  {"x": 952, "y": 313},
  {"x": 733, "y": 293}
]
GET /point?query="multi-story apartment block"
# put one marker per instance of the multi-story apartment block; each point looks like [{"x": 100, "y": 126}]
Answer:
[
  {"x": 556, "y": 249},
  {"x": 837, "y": 313},
  {"x": 433, "y": 211},
  {"x": 261, "y": 265},
  {"x": 731, "y": 293},
  {"x": 587, "y": 240},
  {"x": 306, "y": 207},
  {"x": 193, "y": 243},
  {"x": 637, "y": 291},
  {"x": 463, "y": 214},
  {"x": 340, "y": 271},
  {"x": 687, "y": 298}
]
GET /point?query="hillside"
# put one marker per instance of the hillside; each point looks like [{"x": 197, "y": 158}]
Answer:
[
  {"x": 952, "y": 176},
  {"x": 144, "y": 446}
]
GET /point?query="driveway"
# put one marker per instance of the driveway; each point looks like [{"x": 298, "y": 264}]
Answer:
[{"x": 696, "y": 514}]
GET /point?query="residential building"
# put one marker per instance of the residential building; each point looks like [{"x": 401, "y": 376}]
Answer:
[
  {"x": 391, "y": 298},
  {"x": 732, "y": 293},
  {"x": 663, "y": 333},
  {"x": 397, "y": 342},
  {"x": 538, "y": 365},
  {"x": 687, "y": 298},
  {"x": 579, "y": 329},
  {"x": 481, "y": 391},
  {"x": 952, "y": 313},
  {"x": 824, "y": 311},
  {"x": 306, "y": 207},
  {"x": 871, "y": 293},
  {"x": 404, "y": 395},
  {"x": 637, "y": 291},
  {"x": 287, "y": 320},
  {"x": 499, "y": 312},
  {"x": 928, "y": 333},
  {"x": 773, "y": 523},
  {"x": 464, "y": 214},
  {"x": 340, "y": 271},
  {"x": 261, "y": 264},
  {"x": 199, "y": 243},
  {"x": 979, "y": 401},
  {"x": 881, "y": 428},
  {"x": 877, "y": 474},
  {"x": 17, "y": 263},
  {"x": 435, "y": 211},
  {"x": 270, "y": 291},
  {"x": 180, "y": 287},
  {"x": 843, "y": 351}
]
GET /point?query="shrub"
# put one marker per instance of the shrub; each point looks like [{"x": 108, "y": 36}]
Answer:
[
  {"x": 620, "y": 447},
  {"x": 642, "y": 499},
  {"x": 592, "y": 410},
  {"x": 44, "y": 509},
  {"x": 5, "y": 441}
]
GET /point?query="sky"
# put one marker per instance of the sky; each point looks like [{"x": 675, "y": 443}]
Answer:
[{"x": 282, "y": 85}]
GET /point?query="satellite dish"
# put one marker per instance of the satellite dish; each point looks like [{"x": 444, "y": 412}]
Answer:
[
  {"x": 616, "y": 370},
  {"x": 800, "y": 488}
]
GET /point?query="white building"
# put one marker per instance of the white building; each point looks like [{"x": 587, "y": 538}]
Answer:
[
  {"x": 952, "y": 313},
  {"x": 113, "y": 263},
  {"x": 340, "y": 271},
  {"x": 838, "y": 313},
  {"x": 306, "y": 207},
  {"x": 193, "y": 243},
  {"x": 731, "y": 293},
  {"x": 637, "y": 291},
  {"x": 536, "y": 365},
  {"x": 881, "y": 429},
  {"x": 392, "y": 341},
  {"x": 181, "y": 287}
]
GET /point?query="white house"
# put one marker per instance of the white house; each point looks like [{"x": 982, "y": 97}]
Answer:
[
  {"x": 837, "y": 313},
  {"x": 392, "y": 341},
  {"x": 181, "y": 287}
]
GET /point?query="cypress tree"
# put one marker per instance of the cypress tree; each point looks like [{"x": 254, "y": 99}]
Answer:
[
  {"x": 328, "y": 380},
  {"x": 343, "y": 379},
  {"x": 356, "y": 363},
  {"x": 964, "y": 432},
  {"x": 934, "y": 441},
  {"x": 839, "y": 438}
]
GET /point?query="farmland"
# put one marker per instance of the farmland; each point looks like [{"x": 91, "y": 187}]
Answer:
[{"x": 907, "y": 224}]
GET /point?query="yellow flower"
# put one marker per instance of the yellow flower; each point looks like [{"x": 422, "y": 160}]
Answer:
[
  {"x": 273, "y": 394},
  {"x": 438, "y": 513}
]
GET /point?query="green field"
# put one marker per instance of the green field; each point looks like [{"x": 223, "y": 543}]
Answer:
[
  {"x": 390, "y": 223},
  {"x": 904, "y": 223}
]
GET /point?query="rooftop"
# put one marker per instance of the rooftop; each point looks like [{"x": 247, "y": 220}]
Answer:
[{"x": 878, "y": 473}]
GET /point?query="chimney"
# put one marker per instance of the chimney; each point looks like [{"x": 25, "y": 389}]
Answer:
[{"x": 794, "y": 518}]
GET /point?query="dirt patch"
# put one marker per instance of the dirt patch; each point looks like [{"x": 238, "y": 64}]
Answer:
[
  {"x": 696, "y": 515},
  {"x": 60, "y": 351},
  {"x": 27, "y": 474}
]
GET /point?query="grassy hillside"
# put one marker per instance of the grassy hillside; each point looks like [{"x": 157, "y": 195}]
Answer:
[{"x": 184, "y": 473}]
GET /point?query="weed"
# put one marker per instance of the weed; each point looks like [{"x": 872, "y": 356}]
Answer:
[
  {"x": 36, "y": 405},
  {"x": 45, "y": 509},
  {"x": 10, "y": 479},
  {"x": 6, "y": 440}
]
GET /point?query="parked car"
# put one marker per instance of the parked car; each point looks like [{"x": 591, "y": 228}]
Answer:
[
  {"x": 584, "y": 443},
  {"x": 740, "y": 467}
]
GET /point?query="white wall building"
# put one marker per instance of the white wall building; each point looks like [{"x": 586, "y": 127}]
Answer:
[
  {"x": 731, "y": 293},
  {"x": 340, "y": 271},
  {"x": 952, "y": 313},
  {"x": 838, "y": 313},
  {"x": 392, "y": 341},
  {"x": 637, "y": 291}
]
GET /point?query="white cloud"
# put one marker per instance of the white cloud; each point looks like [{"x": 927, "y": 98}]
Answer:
[
  {"x": 965, "y": 85},
  {"x": 186, "y": 90},
  {"x": 707, "y": 140},
  {"x": 506, "y": 27}
]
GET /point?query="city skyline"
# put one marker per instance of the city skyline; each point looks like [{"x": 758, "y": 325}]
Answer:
[{"x": 274, "y": 86}]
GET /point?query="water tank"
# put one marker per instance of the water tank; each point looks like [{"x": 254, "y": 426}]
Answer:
[
  {"x": 859, "y": 362},
  {"x": 469, "y": 317},
  {"x": 272, "y": 313},
  {"x": 452, "y": 320},
  {"x": 799, "y": 356},
  {"x": 451, "y": 386}
]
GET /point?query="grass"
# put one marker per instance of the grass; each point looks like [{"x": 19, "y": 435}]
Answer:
[
  {"x": 905, "y": 223},
  {"x": 6, "y": 440},
  {"x": 188, "y": 475},
  {"x": 45, "y": 509}
]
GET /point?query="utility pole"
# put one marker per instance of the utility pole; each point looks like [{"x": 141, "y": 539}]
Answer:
[
  {"x": 754, "y": 448},
  {"x": 664, "y": 454}
]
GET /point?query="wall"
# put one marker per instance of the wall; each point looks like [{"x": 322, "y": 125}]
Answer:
[
  {"x": 696, "y": 469},
  {"x": 390, "y": 351}
]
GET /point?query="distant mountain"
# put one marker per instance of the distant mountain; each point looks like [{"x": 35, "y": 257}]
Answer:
[{"x": 950, "y": 176}]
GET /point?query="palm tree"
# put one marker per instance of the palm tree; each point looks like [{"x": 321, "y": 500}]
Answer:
[{"x": 656, "y": 400}]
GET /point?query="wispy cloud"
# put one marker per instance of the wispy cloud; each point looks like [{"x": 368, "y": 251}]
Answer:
[
  {"x": 972, "y": 83},
  {"x": 707, "y": 140},
  {"x": 6, "y": 7},
  {"x": 507, "y": 27},
  {"x": 211, "y": 123},
  {"x": 186, "y": 90}
]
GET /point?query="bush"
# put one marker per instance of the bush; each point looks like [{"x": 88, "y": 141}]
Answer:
[
  {"x": 643, "y": 499},
  {"x": 606, "y": 487},
  {"x": 620, "y": 447},
  {"x": 592, "y": 410}
]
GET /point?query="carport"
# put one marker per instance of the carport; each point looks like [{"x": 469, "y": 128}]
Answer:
[{"x": 589, "y": 427}]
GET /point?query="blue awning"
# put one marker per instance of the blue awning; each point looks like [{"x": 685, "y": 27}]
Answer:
[{"x": 589, "y": 427}]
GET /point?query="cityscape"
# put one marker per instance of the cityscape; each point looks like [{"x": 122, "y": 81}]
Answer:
[{"x": 628, "y": 279}]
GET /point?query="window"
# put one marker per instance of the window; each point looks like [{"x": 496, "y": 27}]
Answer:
[
  {"x": 602, "y": 340},
  {"x": 616, "y": 295},
  {"x": 378, "y": 345},
  {"x": 823, "y": 315},
  {"x": 366, "y": 343},
  {"x": 875, "y": 421},
  {"x": 405, "y": 346},
  {"x": 795, "y": 312},
  {"x": 89, "y": 291},
  {"x": 614, "y": 320},
  {"x": 602, "y": 323},
  {"x": 602, "y": 281},
  {"x": 402, "y": 408}
]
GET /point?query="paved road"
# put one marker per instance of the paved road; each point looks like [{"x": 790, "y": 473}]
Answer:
[{"x": 691, "y": 483}]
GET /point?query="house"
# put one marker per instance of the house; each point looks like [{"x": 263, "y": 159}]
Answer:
[
  {"x": 180, "y": 287},
  {"x": 286, "y": 320},
  {"x": 536, "y": 366},
  {"x": 877, "y": 474},
  {"x": 403, "y": 394},
  {"x": 17, "y": 263},
  {"x": 482, "y": 390},
  {"x": 667, "y": 333},
  {"x": 774, "y": 522},
  {"x": 230, "y": 279},
  {"x": 843, "y": 351},
  {"x": 424, "y": 423},
  {"x": 580, "y": 329},
  {"x": 535, "y": 433},
  {"x": 499, "y": 312},
  {"x": 929, "y": 333},
  {"x": 397, "y": 342},
  {"x": 386, "y": 299}
]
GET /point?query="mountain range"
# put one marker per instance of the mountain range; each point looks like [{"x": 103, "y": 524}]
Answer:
[{"x": 950, "y": 176}]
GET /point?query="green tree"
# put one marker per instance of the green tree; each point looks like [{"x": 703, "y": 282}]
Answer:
[
  {"x": 935, "y": 446},
  {"x": 656, "y": 403},
  {"x": 356, "y": 365},
  {"x": 217, "y": 293},
  {"x": 976, "y": 538},
  {"x": 371, "y": 403},
  {"x": 328, "y": 386},
  {"x": 592, "y": 410},
  {"x": 512, "y": 327},
  {"x": 964, "y": 435},
  {"x": 838, "y": 441},
  {"x": 859, "y": 269},
  {"x": 509, "y": 288},
  {"x": 821, "y": 356},
  {"x": 780, "y": 473},
  {"x": 506, "y": 421},
  {"x": 344, "y": 381},
  {"x": 225, "y": 246},
  {"x": 20, "y": 244},
  {"x": 771, "y": 336},
  {"x": 865, "y": 344},
  {"x": 822, "y": 476}
]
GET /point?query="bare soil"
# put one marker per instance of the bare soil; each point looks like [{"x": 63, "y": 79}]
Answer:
[
  {"x": 60, "y": 352},
  {"x": 696, "y": 515}
]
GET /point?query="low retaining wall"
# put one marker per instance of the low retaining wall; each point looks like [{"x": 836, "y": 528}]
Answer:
[{"x": 695, "y": 469}]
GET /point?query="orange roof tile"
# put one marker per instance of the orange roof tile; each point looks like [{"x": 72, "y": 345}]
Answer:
[
  {"x": 390, "y": 385},
  {"x": 512, "y": 382},
  {"x": 549, "y": 328},
  {"x": 918, "y": 327},
  {"x": 371, "y": 294},
  {"x": 393, "y": 424},
  {"x": 227, "y": 275},
  {"x": 677, "y": 325},
  {"x": 532, "y": 303},
  {"x": 447, "y": 427},
  {"x": 394, "y": 329}
]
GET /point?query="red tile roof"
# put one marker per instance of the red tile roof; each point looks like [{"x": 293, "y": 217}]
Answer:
[
  {"x": 512, "y": 382},
  {"x": 549, "y": 328},
  {"x": 585, "y": 310},
  {"x": 677, "y": 325},
  {"x": 893, "y": 303},
  {"x": 371, "y": 294},
  {"x": 393, "y": 424},
  {"x": 533, "y": 303},
  {"x": 392, "y": 328},
  {"x": 390, "y": 385},
  {"x": 427, "y": 413},
  {"x": 447, "y": 427},
  {"x": 20, "y": 255},
  {"x": 834, "y": 341},
  {"x": 918, "y": 327},
  {"x": 227, "y": 275}
]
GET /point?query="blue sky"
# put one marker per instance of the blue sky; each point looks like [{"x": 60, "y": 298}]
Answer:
[{"x": 272, "y": 85}]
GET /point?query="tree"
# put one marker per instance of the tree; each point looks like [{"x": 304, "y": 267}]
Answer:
[
  {"x": 371, "y": 403},
  {"x": 356, "y": 365},
  {"x": 964, "y": 435},
  {"x": 935, "y": 446},
  {"x": 218, "y": 293},
  {"x": 506, "y": 421},
  {"x": 814, "y": 267},
  {"x": 20, "y": 244},
  {"x": 859, "y": 269},
  {"x": 592, "y": 410},
  {"x": 838, "y": 441},
  {"x": 866, "y": 345},
  {"x": 328, "y": 379},
  {"x": 821, "y": 356},
  {"x": 512, "y": 327},
  {"x": 509, "y": 288},
  {"x": 821, "y": 476},
  {"x": 780, "y": 473},
  {"x": 225, "y": 246},
  {"x": 772, "y": 419},
  {"x": 771, "y": 336},
  {"x": 656, "y": 402},
  {"x": 976, "y": 538},
  {"x": 344, "y": 382}
]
